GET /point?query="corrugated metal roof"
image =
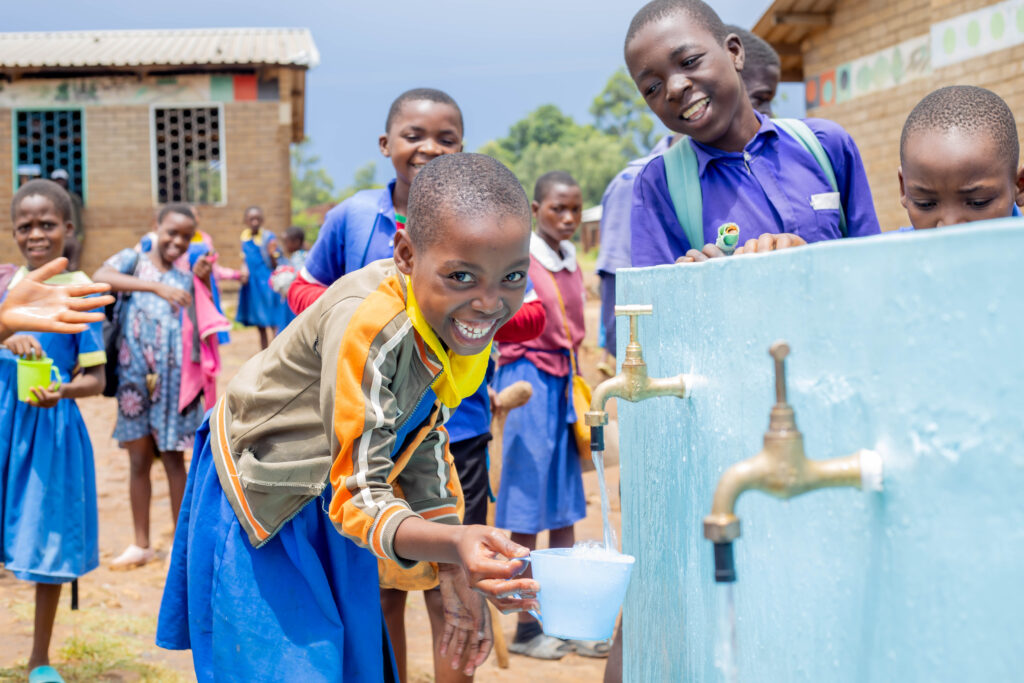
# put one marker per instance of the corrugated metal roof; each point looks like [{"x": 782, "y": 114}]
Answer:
[
  {"x": 787, "y": 24},
  {"x": 158, "y": 47}
]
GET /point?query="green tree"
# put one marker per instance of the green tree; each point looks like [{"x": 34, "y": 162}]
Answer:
[
  {"x": 364, "y": 177},
  {"x": 311, "y": 184},
  {"x": 620, "y": 111},
  {"x": 546, "y": 139}
]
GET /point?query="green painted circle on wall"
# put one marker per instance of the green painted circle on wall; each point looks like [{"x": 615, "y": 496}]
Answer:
[
  {"x": 864, "y": 78},
  {"x": 998, "y": 25},
  {"x": 973, "y": 33},
  {"x": 1020, "y": 19},
  {"x": 827, "y": 92},
  {"x": 949, "y": 41},
  {"x": 897, "y": 65},
  {"x": 881, "y": 70}
]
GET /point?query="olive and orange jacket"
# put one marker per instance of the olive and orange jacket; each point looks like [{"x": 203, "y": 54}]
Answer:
[{"x": 342, "y": 397}]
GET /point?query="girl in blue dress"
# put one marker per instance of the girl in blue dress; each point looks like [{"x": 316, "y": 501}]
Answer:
[
  {"x": 48, "y": 518},
  {"x": 258, "y": 304},
  {"x": 149, "y": 366}
]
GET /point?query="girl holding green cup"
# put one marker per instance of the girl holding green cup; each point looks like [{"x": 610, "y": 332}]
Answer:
[{"x": 44, "y": 446}]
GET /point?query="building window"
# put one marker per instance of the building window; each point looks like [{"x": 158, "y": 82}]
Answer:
[
  {"x": 48, "y": 140},
  {"x": 188, "y": 155}
]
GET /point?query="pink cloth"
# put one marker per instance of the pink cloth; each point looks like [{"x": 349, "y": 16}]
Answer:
[
  {"x": 547, "y": 351},
  {"x": 201, "y": 376}
]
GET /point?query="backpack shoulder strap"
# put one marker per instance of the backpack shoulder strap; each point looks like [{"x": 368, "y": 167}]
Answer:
[
  {"x": 806, "y": 137},
  {"x": 682, "y": 175}
]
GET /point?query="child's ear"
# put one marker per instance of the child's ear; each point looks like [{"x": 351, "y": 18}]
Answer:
[
  {"x": 903, "y": 190},
  {"x": 735, "y": 47},
  {"x": 69, "y": 229},
  {"x": 405, "y": 253},
  {"x": 385, "y": 148},
  {"x": 1020, "y": 186},
  {"x": 535, "y": 207}
]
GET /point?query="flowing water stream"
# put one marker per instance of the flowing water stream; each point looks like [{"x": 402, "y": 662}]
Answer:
[
  {"x": 725, "y": 646},
  {"x": 610, "y": 542}
]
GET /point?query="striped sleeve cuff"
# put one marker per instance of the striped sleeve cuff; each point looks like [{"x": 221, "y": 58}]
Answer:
[
  {"x": 382, "y": 533},
  {"x": 443, "y": 511},
  {"x": 92, "y": 358}
]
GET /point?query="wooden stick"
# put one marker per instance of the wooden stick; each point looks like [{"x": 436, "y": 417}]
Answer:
[{"x": 510, "y": 397}]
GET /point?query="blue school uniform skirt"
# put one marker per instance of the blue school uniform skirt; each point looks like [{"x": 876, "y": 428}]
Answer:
[
  {"x": 48, "y": 519},
  {"x": 258, "y": 304},
  {"x": 541, "y": 479},
  {"x": 303, "y": 607}
]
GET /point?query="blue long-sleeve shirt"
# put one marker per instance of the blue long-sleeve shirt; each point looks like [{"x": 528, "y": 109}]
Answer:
[{"x": 773, "y": 185}]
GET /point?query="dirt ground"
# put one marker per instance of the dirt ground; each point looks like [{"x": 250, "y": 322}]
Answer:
[{"x": 111, "y": 637}]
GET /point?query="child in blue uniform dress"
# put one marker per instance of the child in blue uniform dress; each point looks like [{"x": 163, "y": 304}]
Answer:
[
  {"x": 258, "y": 304},
  {"x": 48, "y": 518},
  {"x": 541, "y": 479},
  {"x": 149, "y": 366}
]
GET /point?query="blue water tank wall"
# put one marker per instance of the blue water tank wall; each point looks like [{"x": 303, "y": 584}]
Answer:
[{"x": 911, "y": 344}]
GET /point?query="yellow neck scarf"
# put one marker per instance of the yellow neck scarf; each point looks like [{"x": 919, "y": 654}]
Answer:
[{"x": 461, "y": 375}]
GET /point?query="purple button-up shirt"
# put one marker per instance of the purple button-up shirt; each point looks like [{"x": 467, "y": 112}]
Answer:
[{"x": 773, "y": 185}]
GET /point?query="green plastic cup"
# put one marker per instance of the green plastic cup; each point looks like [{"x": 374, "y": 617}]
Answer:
[{"x": 35, "y": 373}]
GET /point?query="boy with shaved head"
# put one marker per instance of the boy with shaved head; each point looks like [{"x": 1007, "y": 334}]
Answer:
[
  {"x": 782, "y": 182},
  {"x": 959, "y": 158},
  {"x": 328, "y": 451}
]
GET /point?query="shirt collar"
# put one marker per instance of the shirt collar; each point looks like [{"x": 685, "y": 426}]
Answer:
[
  {"x": 706, "y": 154},
  {"x": 385, "y": 204},
  {"x": 551, "y": 259}
]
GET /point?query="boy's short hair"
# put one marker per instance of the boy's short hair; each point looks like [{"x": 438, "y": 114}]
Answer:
[
  {"x": 428, "y": 94},
  {"x": 461, "y": 185},
  {"x": 967, "y": 108},
  {"x": 699, "y": 11},
  {"x": 294, "y": 232},
  {"x": 549, "y": 180},
  {"x": 758, "y": 51},
  {"x": 176, "y": 207},
  {"x": 57, "y": 195}
]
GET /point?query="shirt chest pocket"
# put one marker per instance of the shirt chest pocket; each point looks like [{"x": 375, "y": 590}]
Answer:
[{"x": 826, "y": 214}]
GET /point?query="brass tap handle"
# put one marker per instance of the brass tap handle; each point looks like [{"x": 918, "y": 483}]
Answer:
[
  {"x": 634, "y": 310},
  {"x": 779, "y": 350}
]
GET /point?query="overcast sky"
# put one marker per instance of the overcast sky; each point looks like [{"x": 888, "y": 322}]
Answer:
[{"x": 499, "y": 60}]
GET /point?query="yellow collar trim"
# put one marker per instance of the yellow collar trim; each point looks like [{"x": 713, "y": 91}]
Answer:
[{"x": 460, "y": 376}]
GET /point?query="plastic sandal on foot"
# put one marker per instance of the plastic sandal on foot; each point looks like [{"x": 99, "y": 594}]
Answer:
[
  {"x": 44, "y": 674},
  {"x": 132, "y": 557},
  {"x": 541, "y": 646},
  {"x": 591, "y": 648}
]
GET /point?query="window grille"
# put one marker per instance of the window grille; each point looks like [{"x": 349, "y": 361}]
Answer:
[
  {"x": 188, "y": 155},
  {"x": 48, "y": 140}
]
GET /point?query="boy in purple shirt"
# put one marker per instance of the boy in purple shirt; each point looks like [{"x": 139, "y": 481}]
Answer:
[
  {"x": 751, "y": 171},
  {"x": 958, "y": 159}
]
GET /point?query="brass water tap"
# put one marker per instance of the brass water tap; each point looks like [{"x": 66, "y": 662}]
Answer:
[
  {"x": 632, "y": 382},
  {"x": 782, "y": 470}
]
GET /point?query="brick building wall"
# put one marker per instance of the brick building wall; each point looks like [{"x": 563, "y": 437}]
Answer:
[
  {"x": 119, "y": 202},
  {"x": 863, "y": 27}
]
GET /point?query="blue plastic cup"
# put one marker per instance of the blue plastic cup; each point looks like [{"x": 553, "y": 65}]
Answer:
[{"x": 580, "y": 592}]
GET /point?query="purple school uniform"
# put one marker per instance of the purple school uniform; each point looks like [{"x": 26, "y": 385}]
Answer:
[{"x": 773, "y": 185}]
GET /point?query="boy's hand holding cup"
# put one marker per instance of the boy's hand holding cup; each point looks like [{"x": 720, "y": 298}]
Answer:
[{"x": 481, "y": 549}]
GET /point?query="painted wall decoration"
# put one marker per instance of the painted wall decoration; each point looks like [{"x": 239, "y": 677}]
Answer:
[
  {"x": 977, "y": 33},
  {"x": 963, "y": 37},
  {"x": 881, "y": 70},
  {"x": 121, "y": 90}
]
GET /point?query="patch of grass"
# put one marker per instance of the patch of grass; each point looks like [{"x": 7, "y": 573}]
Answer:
[{"x": 103, "y": 646}]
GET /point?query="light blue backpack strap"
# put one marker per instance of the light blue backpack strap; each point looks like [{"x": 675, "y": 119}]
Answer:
[
  {"x": 802, "y": 132},
  {"x": 682, "y": 175}
]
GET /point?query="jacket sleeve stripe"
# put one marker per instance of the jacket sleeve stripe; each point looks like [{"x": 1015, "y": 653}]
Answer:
[{"x": 224, "y": 451}]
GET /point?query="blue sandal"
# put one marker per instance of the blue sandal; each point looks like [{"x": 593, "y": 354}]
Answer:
[{"x": 44, "y": 674}]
